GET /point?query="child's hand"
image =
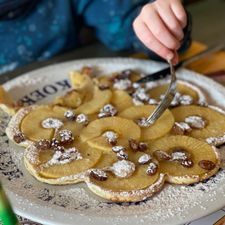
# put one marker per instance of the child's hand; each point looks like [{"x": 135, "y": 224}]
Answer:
[{"x": 160, "y": 27}]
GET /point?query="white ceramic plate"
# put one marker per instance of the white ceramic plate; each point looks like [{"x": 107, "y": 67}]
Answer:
[{"x": 74, "y": 204}]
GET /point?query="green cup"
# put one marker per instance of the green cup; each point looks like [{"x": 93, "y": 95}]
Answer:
[{"x": 7, "y": 216}]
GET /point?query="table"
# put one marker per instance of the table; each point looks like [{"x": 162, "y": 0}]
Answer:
[{"x": 212, "y": 66}]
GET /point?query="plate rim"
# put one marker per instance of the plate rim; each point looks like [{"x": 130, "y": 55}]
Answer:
[{"x": 110, "y": 60}]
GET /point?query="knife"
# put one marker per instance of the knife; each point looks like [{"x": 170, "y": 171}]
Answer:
[{"x": 164, "y": 72}]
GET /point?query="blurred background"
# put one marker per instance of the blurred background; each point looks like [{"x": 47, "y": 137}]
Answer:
[{"x": 208, "y": 20}]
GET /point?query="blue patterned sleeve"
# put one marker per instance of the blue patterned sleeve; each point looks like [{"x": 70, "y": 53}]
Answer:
[
  {"x": 112, "y": 23},
  {"x": 34, "y": 30}
]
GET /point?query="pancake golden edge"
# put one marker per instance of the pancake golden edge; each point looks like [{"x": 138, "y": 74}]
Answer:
[
  {"x": 35, "y": 161},
  {"x": 136, "y": 187},
  {"x": 182, "y": 175},
  {"x": 13, "y": 127},
  {"x": 28, "y": 122},
  {"x": 128, "y": 196},
  {"x": 6, "y": 102},
  {"x": 73, "y": 179}
]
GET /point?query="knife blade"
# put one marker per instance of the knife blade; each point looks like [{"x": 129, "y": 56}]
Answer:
[{"x": 164, "y": 72}]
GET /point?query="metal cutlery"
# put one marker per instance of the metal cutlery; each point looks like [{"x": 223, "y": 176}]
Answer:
[{"x": 167, "y": 99}]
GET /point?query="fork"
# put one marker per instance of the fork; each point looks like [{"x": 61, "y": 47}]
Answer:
[{"x": 167, "y": 99}]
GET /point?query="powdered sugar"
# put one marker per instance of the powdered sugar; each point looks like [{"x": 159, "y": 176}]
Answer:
[
  {"x": 123, "y": 168},
  {"x": 66, "y": 136},
  {"x": 98, "y": 174},
  {"x": 216, "y": 141},
  {"x": 137, "y": 102},
  {"x": 145, "y": 158},
  {"x": 180, "y": 99},
  {"x": 122, "y": 155},
  {"x": 118, "y": 148},
  {"x": 178, "y": 156},
  {"x": 152, "y": 168},
  {"x": 32, "y": 154},
  {"x": 63, "y": 157},
  {"x": 111, "y": 136},
  {"x": 186, "y": 100},
  {"x": 107, "y": 110},
  {"x": 142, "y": 122},
  {"x": 176, "y": 99},
  {"x": 136, "y": 85},
  {"x": 187, "y": 163},
  {"x": 202, "y": 103},
  {"x": 52, "y": 123},
  {"x": 183, "y": 126},
  {"x": 152, "y": 101},
  {"x": 70, "y": 115},
  {"x": 82, "y": 119},
  {"x": 153, "y": 84},
  {"x": 195, "y": 122},
  {"x": 141, "y": 95},
  {"x": 122, "y": 84}
]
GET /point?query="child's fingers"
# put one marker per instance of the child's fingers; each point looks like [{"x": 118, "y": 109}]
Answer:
[
  {"x": 170, "y": 20},
  {"x": 179, "y": 12},
  {"x": 175, "y": 58},
  {"x": 149, "y": 40},
  {"x": 155, "y": 24}
]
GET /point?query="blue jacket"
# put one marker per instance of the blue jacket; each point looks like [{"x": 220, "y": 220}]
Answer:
[{"x": 34, "y": 30}]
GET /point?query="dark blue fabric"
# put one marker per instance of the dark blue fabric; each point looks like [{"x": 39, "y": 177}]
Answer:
[
  {"x": 7, "y": 6},
  {"x": 33, "y": 30}
]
